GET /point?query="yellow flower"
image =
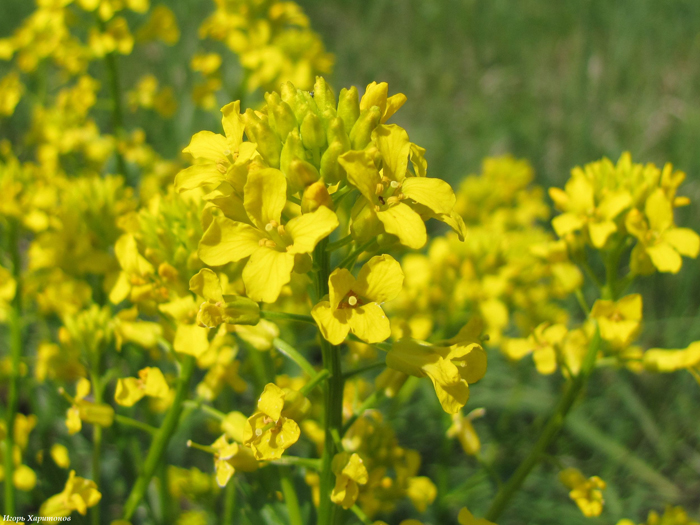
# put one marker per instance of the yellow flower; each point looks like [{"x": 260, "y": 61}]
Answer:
[
  {"x": 230, "y": 457},
  {"x": 10, "y": 93},
  {"x": 587, "y": 493},
  {"x": 661, "y": 243},
  {"x": 79, "y": 494},
  {"x": 377, "y": 95},
  {"x": 272, "y": 429},
  {"x": 451, "y": 368},
  {"x": 545, "y": 344},
  {"x": 421, "y": 491},
  {"x": 191, "y": 339},
  {"x": 272, "y": 247},
  {"x": 353, "y": 304},
  {"x": 82, "y": 410},
  {"x": 219, "y": 308},
  {"x": 149, "y": 383},
  {"x": 396, "y": 199},
  {"x": 463, "y": 430},
  {"x": 161, "y": 25},
  {"x": 467, "y": 518},
  {"x": 619, "y": 321},
  {"x": 59, "y": 454},
  {"x": 350, "y": 473},
  {"x": 664, "y": 361},
  {"x": 585, "y": 211}
]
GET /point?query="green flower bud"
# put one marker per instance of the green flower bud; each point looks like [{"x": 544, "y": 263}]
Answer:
[
  {"x": 312, "y": 133},
  {"x": 336, "y": 132},
  {"x": 323, "y": 95},
  {"x": 331, "y": 170},
  {"x": 349, "y": 107},
  {"x": 260, "y": 132},
  {"x": 296, "y": 406},
  {"x": 302, "y": 173},
  {"x": 281, "y": 116},
  {"x": 361, "y": 132},
  {"x": 292, "y": 149}
]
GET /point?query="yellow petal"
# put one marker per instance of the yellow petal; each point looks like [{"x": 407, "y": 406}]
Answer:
[
  {"x": 59, "y": 454},
  {"x": 393, "y": 143},
  {"x": 369, "y": 323},
  {"x": 96, "y": 413},
  {"x": 73, "y": 421},
  {"x": 380, "y": 279},
  {"x": 566, "y": 223},
  {"x": 393, "y": 104},
  {"x": 233, "y": 124},
  {"x": 265, "y": 196},
  {"x": 659, "y": 211},
  {"x": 155, "y": 383},
  {"x": 271, "y": 401},
  {"x": 340, "y": 282},
  {"x": 332, "y": 324},
  {"x": 207, "y": 145},
  {"x": 82, "y": 388},
  {"x": 665, "y": 258},
  {"x": 545, "y": 360},
  {"x": 308, "y": 229},
  {"x": 422, "y": 492},
  {"x": 406, "y": 224},
  {"x": 197, "y": 176},
  {"x": 224, "y": 472},
  {"x": 684, "y": 240},
  {"x": 600, "y": 231},
  {"x": 227, "y": 241},
  {"x": 206, "y": 284},
  {"x": 375, "y": 95},
  {"x": 452, "y": 396},
  {"x": 436, "y": 194},
  {"x": 267, "y": 271},
  {"x": 24, "y": 478},
  {"x": 362, "y": 173},
  {"x": 191, "y": 339},
  {"x": 129, "y": 392},
  {"x": 614, "y": 204}
]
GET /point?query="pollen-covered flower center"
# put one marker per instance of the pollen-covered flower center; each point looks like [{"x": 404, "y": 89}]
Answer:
[
  {"x": 277, "y": 237},
  {"x": 351, "y": 300},
  {"x": 388, "y": 193}
]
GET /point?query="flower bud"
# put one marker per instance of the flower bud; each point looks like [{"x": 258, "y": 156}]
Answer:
[
  {"x": 349, "y": 107},
  {"x": 296, "y": 406},
  {"x": 362, "y": 130},
  {"x": 336, "y": 132},
  {"x": 260, "y": 132},
  {"x": 323, "y": 94},
  {"x": 315, "y": 196},
  {"x": 312, "y": 133},
  {"x": 331, "y": 170},
  {"x": 282, "y": 118},
  {"x": 302, "y": 173},
  {"x": 292, "y": 149}
]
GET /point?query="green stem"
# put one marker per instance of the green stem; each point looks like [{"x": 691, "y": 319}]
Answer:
[
  {"x": 318, "y": 378},
  {"x": 289, "y": 461},
  {"x": 98, "y": 390},
  {"x": 230, "y": 504},
  {"x": 366, "y": 404},
  {"x": 15, "y": 325},
  {"x": 130, "y": 422},
  {"x": 361, "y": 515},
  {"x": 117, "y": 111},
  {"x": 350, "y": 259},
  {"x": 363, "y": 369},
  {"x": 290, "y": 496},
  {"x": 284, "y": 316},
  {"x": 333, "y": 397},
  {"x": 161, "y": 439},
  {"x": 332, "y": 246},
  {"x": 293, "y": 354},
  {"x": 549, "y": 434}
]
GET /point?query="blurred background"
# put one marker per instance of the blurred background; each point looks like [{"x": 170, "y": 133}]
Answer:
[{"x": 560, "y": 84}]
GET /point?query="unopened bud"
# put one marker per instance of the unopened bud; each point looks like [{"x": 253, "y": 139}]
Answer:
[
  {"x": 282, "y": 118},
  {"x": 331, "y": 170},
  {"x": 315, "y": 196},
  {"x": 260, "y": 132},
  {"x": 349, "y": 107},
  {"x": 323, "y": 94},
  {"x": 302, "y": 173},
  {"x": 362, "y": 130},
  {"x": 312, "y": 133}
]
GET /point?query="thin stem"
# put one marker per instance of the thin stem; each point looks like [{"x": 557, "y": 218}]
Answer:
[
  {"x": 117, "y": 111},
  {"x": 130, "y": 422},
  {"x": 229, "y": 504},
  {"x": 350, "y": 259},
  {"x": 290, "y": 496},
  {"x": 161, "y": 439},
  {"x": 549, "y": 434},
  {"x": 333, "y": 398},
  {"x": 98, "y": 389},
  {"x": 288, "y": 461},
  {"x": 366, "y": 404},
  {"x": 318, "y": 378},
  {"x": 582, "y": 301},
  {"x": 293, "y": 354},
  {"x": 15, "y": 325},
  {"x": 342, "y": 192},
  {"x": 333, "y": 246},
  {"x": 284, "y": 316},
  {"x": 357, "y": 511},
  {"x": 363, "y": 369}
]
